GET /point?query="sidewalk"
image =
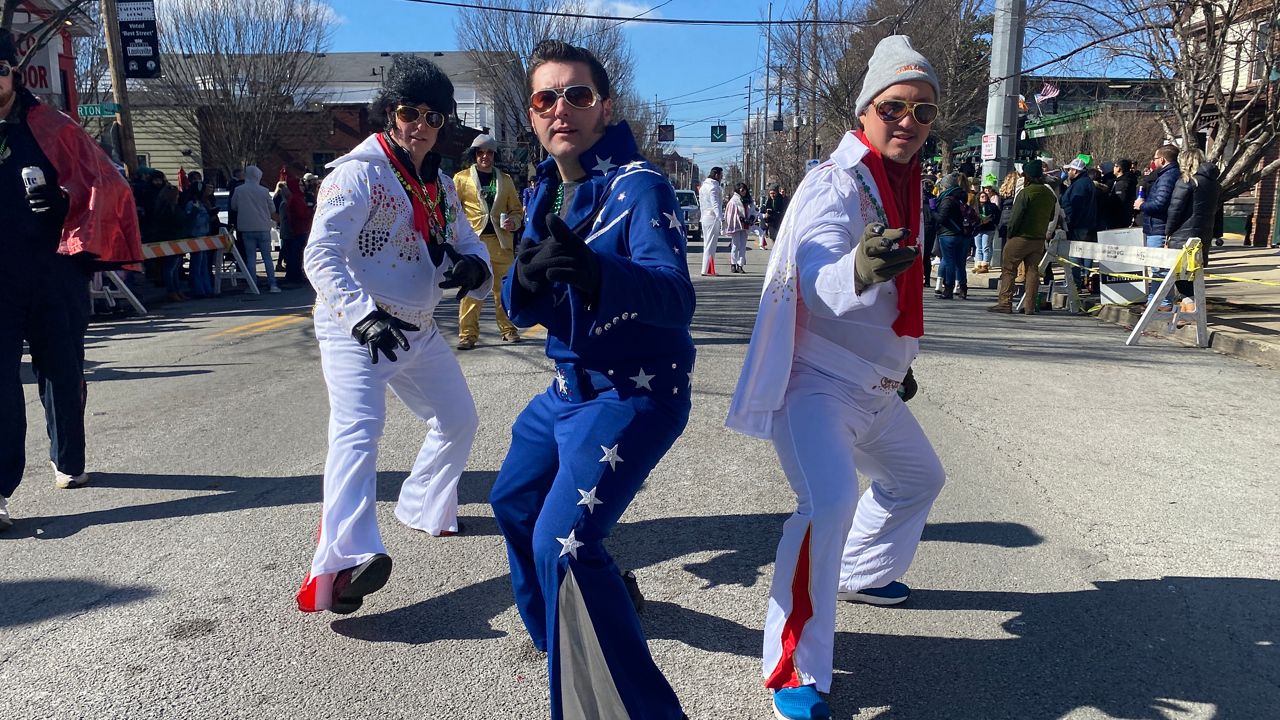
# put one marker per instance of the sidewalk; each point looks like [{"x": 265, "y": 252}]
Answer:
[{"x": 1244, "y": 318}]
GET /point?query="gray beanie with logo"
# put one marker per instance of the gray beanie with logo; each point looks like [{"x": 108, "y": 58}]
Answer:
[{"x": 893, "y": 62}]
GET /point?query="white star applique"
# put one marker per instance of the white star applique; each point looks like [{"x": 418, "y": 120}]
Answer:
[
  {"x": 611, "y": 456},
  {"x": 622, "y": 196},
  {"x": 654, "y": 222},
  {"x": 642, "y": 380},
  {"x": 603, "y": 165},
  {"x": 589, "y": 499},
  {"x": 562, "y": 383},
  {"x": 569, "y": 546},
  {"x": 672, "y": 220},
  {"x": 675, "y": 249},
  {"x": 634, "y": 164}
]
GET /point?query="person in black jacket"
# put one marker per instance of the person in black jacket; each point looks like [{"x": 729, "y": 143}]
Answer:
[
  {"x": 1195, "y": 203},
  {"x": 1124, "y": 191},
  {"x": 930, "y": 227},
  {"x": 953, "y": 240}
]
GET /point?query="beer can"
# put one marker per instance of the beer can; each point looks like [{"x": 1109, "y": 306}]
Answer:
[{"x": 32, "y": 177}]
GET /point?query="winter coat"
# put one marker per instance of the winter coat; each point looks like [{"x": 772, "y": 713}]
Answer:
[
  {"x": 735, "y": 215},
  {"x": 1124, "y": 190},
  {"x": 1080, "y": 208},
  {"x": 1194, "y": 205},
  {"x": 1155, "y": 207},
  {"x": 949, "y": 216}
]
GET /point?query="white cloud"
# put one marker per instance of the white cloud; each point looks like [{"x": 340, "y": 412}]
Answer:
[{"x": 616, "y": 8}]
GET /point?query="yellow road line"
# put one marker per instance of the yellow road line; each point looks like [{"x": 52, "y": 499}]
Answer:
[{"x": 262, "y": 326}]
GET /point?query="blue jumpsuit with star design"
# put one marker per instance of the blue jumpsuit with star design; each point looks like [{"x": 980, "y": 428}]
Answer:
[{"x": 581, "y": 450}]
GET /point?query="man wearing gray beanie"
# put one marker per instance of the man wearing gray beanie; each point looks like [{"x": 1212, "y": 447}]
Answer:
[{"x": 828, "y": 372}]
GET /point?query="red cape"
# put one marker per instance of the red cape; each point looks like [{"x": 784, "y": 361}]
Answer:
[{"x": 102, "y": 221}]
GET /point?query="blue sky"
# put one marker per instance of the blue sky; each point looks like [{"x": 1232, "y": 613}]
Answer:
[{"x": 671, "y": 60}]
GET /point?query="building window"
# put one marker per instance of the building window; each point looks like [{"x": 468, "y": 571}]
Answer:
[
  {"x": 1263, "y": 57},
  {"x": 320, "y": 159},
  {"x": 143, "y": 160}
]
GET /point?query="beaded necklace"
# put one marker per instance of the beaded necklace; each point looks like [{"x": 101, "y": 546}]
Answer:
[
  {"x": 559, "y": 199},
  {"x": 419, "y": 191},
  {"x": 866, "y": 193}
]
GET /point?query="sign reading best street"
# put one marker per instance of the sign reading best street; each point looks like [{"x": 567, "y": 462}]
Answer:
[{"x": 139, "y": 42}]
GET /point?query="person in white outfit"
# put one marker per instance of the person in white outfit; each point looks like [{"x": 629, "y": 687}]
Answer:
[
  {"x": 827, "y": 373},
  {"x": 711, "y": 200},
  {"x": 255, "y": 217},
  {"x": 388, "y": 235},
  {"x": 736, "y": 223}
]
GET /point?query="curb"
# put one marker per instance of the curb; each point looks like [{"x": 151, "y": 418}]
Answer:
[{"x": 1226, "y": 342}]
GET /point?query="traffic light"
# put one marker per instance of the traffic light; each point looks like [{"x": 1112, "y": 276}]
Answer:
[
  {"x": 666, "y": 133},
  {"x": 719, "y": 133}
]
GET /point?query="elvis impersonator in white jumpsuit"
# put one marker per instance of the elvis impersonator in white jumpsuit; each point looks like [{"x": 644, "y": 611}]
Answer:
[
  {"x": 827, "y": 373},
  {"x": 711, "y": 199},
  {"x": 388, "y": 234}
]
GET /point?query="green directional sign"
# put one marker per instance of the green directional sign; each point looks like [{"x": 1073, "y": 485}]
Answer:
[
  {"x": 98, "y": 110},
  {"x": 719, "y": 133}
]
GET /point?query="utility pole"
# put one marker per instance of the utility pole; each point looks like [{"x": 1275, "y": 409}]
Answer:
[
  {"x": 1002, "y": 96},
  {"x": 766, "y": 129},
  {"x": 120, "y": 94},
  {"x": 813, "y": 85},
  {"x": 746, "y": 136},
  {"x": 795, "y": 119}
]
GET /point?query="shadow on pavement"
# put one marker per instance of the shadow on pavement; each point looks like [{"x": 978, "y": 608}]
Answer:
[
  {"x": 1149, "y": 649},
  {"x": 33, "y": 601}
]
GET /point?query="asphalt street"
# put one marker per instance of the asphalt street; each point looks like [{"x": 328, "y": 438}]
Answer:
[{"x": 1106, "y": 545}]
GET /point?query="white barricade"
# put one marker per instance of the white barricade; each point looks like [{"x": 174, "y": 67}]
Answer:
[
  {"x": 1176, "y": 262},
  {"x": 223, "y": 242},
  {"x": 98, "y": 290}
]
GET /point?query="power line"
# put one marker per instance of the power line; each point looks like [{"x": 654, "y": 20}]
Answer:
[
  {"x": 655, "y": 21},
  {"x": 713, "y": 87}
]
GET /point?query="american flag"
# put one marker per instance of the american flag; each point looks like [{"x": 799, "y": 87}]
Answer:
[{"x": 1048, "y": 92}]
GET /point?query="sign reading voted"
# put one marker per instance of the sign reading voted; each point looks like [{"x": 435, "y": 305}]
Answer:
[
  {"x": 666, "y": 133},
  {"x": 139, "y": 42},
  {"x": 719, "y": 133}
]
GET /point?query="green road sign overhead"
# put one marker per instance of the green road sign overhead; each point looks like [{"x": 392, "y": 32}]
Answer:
[{"x": 719, "y": 133}]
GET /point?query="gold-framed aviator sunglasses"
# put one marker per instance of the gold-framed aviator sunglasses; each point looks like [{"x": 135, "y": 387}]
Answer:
[
  {"x": 411, "y": 114},
  {"x": 895, "y": 110},
  {"x": 582, "y": 97}
]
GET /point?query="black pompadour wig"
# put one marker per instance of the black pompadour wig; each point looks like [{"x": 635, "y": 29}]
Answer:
[{"x": 413, "y": 80}]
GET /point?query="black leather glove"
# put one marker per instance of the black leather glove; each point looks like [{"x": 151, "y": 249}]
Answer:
[
  {"x": 908, "y": 388},
  {"x": 881, "y": 257},
  {"x": 50, "y": 201},
  {"x": 467, "y": 273},
  {"x": 561, "y": 257},
  {"x": 381, "y": 331}
]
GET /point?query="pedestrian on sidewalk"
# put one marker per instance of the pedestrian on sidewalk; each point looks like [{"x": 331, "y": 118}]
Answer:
[
  {"x": 387, "y": 237},
  {"x": 80, "y": 219},
  {"x": 255, "y": 217},
  {"x": 954, "y": 237},
  {"x": 1195, "y": 203},
  {"x": 735, "y": 226},
  {"x": 1034, "y": 209},
  {"x": 984, "y": 238},
  {"x": 838, "y": 327},
  {"x": 617, "y": 314},
  {"x": 1154, "y": 207},
  {"x": 489, "y": 199},
  {"x": 1080, "y": 210},
  {"x": 711, "y": 200}
]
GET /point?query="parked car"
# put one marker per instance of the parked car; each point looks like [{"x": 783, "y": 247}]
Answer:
[
  {"x": 692, "y": 214},
  {"x": 222, "y": 198}
]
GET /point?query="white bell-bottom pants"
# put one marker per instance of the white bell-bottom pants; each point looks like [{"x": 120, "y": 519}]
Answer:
[
  {"x": 426, "y": 377},
  {"x": 826, "y": 431}
]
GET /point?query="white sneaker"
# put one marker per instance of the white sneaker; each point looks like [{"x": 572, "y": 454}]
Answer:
[
  {"x": 6, "y": 522},
  {"x": 274, "y": 289},
  {"x": 63, "y": 481}
]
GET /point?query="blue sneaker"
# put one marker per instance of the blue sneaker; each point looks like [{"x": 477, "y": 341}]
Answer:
[
  {"x": 800, "y": 703},
  {"x": 891, "y": 594}
]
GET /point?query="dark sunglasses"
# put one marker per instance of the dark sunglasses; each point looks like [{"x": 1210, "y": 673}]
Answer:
[
  {"x": 5, "y": 69},
  {"x": 895, "y": 110},
  {"x": 411, "y": 114},
  {"x": 579, "y": 96}
]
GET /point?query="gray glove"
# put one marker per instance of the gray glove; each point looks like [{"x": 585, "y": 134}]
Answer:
[{"x": 880, "y": 255}]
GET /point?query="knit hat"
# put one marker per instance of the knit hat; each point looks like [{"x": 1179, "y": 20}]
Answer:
[
  {"x": 893, "y": 62},
  {"x": 1033, "y": 169},
  {"x": 8, "y": 48}
]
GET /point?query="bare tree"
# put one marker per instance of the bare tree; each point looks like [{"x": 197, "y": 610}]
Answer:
[
  {"x": 1218, "y": 61},
  {"x": 47, "y": 28},
  {"x": 242, "y": 67},
  {"x": 1110, "y": 134},
  {"x": 497, "y": 40}
]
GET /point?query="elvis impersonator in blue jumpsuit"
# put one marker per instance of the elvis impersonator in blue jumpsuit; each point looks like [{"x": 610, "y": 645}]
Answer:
[{"x": 602, "y": 266}]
